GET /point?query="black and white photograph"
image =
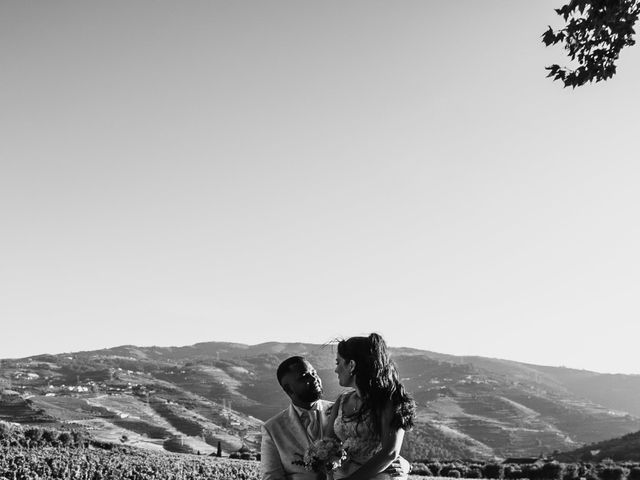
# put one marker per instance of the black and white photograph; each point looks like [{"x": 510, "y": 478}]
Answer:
[{"x": 319, "y": 240}]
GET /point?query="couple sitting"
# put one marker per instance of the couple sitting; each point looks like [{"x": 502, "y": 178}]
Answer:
[{"x": 370, "y": 420}]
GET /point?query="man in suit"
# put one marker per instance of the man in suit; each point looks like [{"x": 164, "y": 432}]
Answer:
[{"x": 289, "y": 433}]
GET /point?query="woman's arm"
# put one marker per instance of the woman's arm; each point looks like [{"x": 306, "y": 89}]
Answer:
[{"x": 391, "y": 440}]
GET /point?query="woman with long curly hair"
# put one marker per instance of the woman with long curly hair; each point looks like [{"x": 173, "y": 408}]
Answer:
[{"x": 371, "y": 419}]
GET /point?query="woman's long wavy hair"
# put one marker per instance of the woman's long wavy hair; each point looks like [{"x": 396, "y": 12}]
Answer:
[{"x": 378, "y": 382}]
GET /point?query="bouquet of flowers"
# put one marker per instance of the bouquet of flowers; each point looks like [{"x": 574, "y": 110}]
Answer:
[
  {"x": 360, "y": 449},
  {"x": 324, "y": 455}
]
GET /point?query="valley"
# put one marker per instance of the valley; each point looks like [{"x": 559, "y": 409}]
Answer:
[{"x": 220, "y": 393}]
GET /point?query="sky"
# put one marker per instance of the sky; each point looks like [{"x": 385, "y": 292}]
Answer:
[{"x": 251, "y": 171}]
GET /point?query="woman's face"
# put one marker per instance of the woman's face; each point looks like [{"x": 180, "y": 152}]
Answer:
[{"x": 343, "y": 370}]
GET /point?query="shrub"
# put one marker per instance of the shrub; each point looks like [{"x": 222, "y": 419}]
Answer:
[
  {"x": 175, "y": 444},
  {"x": 79, "y": 438},
  {"x": 33, "y": 436},
  {"x": 591, "y": 475},
  {"x": 584, "y": 469},
  {"x": 474, "y": 472},
  {"x": 493, "y": 470},
  {"x": 50, "y": 437},
  {"x": 453, "y": 473},
  {"x": 531, "y": 471},
  {"x": 511, "y": 471},
  {"x": 552, "y": 471},
  {"x": 435, "y": 468},
  {"x": 446, "y": 468},
  {"x": 612, "y": 473},
  {"x": 463, "y": 469},
  {"x": 65, "y": 438},
  {"x": 421, "y": 469},
  {"x": 570, "y": 472},
  {"x": 6, "y": 432},
  {"x": 634, "y": 473}
]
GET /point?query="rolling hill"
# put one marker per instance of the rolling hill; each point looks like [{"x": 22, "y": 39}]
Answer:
[
  {"x": 468, "y": 407},
  {"x": 625, "y": 448}
]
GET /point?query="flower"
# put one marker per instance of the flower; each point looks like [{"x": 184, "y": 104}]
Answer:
[{"x": 323, "y": 455}]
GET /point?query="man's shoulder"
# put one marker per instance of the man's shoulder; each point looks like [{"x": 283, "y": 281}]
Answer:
[{"x": 277, "y": 418}]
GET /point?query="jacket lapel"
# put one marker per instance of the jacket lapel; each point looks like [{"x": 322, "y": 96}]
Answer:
[{"x": 297, "y": 429}]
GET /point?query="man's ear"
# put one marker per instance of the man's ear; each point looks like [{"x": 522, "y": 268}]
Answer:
[{"x": 287, "y": 388}]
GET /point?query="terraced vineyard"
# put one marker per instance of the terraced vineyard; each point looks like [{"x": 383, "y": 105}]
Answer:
[
  {"x": 99, "y": 464},
  {"x": 17, "y": 409},
  {"x": 468, "y": 407}
]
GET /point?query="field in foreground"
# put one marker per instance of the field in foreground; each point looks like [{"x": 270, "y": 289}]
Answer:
[
  {"x": 127, "y": 463},
  {"x": 98, "y": 464}
]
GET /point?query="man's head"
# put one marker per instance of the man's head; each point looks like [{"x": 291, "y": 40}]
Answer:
[{"x": 299, "y": 380}]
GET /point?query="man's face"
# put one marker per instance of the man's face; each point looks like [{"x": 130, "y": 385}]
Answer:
[{"x": 302, "y": 383}]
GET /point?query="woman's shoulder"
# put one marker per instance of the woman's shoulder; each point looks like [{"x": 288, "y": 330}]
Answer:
[
  {"x": 344, "y": 396},
  {"x": 348, "y": 394},
  {"x": 347, "y": 397}
]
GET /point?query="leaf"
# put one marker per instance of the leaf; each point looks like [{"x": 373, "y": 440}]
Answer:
[
  {"x": 594, "y": 34},
  {"x": 549, "y": 37}
]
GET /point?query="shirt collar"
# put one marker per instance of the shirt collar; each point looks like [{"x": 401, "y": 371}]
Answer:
[{"x": 299, "y": 410}]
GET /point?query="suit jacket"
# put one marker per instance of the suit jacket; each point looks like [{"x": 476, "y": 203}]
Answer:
[{"x": 283, "y": 436}]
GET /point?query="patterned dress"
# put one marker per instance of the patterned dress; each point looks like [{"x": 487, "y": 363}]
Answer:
[{"x": 360, "y": 441}]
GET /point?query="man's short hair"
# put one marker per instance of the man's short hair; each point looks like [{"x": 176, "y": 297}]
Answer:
[{"x": 287, "y": 364}]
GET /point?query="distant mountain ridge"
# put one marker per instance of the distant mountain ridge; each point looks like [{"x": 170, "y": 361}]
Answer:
[{"x": 468, "y": 407}]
